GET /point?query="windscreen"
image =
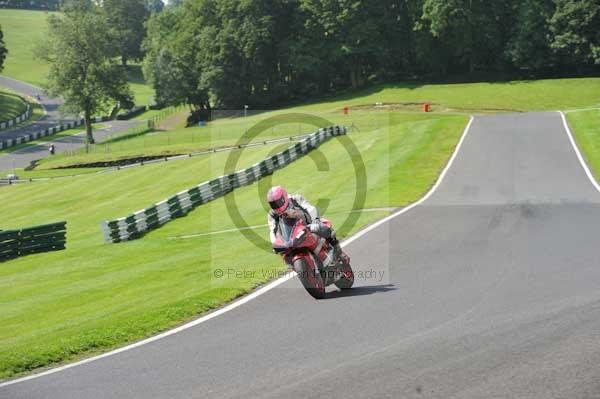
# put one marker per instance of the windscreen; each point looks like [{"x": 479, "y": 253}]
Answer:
[{"x": 286, "y": 228}]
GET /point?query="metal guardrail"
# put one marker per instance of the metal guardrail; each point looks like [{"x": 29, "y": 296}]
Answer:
[{"x": 32, "y": 240}]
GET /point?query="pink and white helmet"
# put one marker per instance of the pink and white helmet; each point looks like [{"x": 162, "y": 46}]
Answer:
[{"x": 278, "y": 199}]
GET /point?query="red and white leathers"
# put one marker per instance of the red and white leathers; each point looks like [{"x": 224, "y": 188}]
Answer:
[{"x": 299, "y": 207}]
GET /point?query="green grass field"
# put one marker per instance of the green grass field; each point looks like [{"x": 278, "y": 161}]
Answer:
[
  {"x": 22, "y": 30},
  {"x": 11, "y": 106},
  {"x": 586, "y": 128},
  {"x": 95, "y": 296},
  {"x": 551, "y": 94}
]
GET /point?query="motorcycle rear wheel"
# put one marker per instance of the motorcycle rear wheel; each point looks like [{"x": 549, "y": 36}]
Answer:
[{"x": 312, "y": 282}]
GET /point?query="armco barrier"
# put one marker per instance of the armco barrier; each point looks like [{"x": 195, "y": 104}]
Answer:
[
  {"x": 32, "y": 240},
  {"x": 46, "y": 132},
  {"x": 139, "y": 223},
  {"x": 6, "y": 124}
]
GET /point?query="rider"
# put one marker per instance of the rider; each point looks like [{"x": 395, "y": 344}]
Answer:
[{"x": 297, "y": 207}]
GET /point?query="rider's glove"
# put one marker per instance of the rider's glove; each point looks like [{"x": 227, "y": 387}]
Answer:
[
  {"x": 293, "y": 213},
  {"x": 314, "y": 227}
]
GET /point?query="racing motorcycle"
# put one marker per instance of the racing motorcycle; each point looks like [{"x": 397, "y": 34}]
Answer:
[{"x": 312, "y": 257}]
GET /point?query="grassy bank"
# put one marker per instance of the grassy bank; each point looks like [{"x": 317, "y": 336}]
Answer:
[
  {"x": 95, "y": 296},
  {"x": 11, "y": 106},
  {"x": 22, "y": 30},
  {"x": 516, "y": 96},
  {"x": 586, "y": 128}
]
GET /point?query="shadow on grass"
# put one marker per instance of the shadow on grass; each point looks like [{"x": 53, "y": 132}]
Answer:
[{"x": 135, "y": 74}]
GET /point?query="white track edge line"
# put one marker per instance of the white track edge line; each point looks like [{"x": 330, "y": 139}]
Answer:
[
  {"x": 254, "y": 294},
  {"x": 584, "y": 165}
]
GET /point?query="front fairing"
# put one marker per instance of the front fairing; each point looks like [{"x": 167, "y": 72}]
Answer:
[{"x": 291, "y": 233}]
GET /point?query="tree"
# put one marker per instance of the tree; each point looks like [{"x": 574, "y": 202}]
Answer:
[
  {"x": 575, "y": 26},
  {"x": 529, "y": 46},
  {"x": 348, "y": 35},
  {"x": 154, "y": 5},
  {"x": 167, "y": 66},
  {"x": 79, "y": 48},
  {"x": 471, "y": 32},
  {"x": 230, "y": 53},
  {"x": 33, "y": 4},
  {"x": 3, "y": 50},
  {"x": 127, "y": 17}
]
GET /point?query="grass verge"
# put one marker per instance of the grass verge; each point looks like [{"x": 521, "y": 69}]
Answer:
[{"x": 586, "y": 128}]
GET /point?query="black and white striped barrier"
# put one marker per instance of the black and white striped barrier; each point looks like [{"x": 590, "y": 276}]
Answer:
[
  {"x": 17, "y": 120},
  {"x": 46, "y": 132},
  {"x": 137, "y": 224}
]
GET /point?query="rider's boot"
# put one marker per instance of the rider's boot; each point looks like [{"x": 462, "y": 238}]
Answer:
[{"x": 337, "y": 250}]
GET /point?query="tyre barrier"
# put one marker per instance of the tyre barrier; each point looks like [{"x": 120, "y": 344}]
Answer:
[
  {"x": 6, "y": 124},
  {"x": 137, "y": 224},
  {"x": 32, "y": 240},
  {"x": 47, "y": 132}
]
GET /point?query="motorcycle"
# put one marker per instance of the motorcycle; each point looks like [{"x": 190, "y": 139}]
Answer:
[{"x": 312, "y": 257}]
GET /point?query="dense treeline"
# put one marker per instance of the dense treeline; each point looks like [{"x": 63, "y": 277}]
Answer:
[
  {"x": 55, "y": 5},
  {"x": 32, "y": 4},
  {"x": 261, "y": 52}
]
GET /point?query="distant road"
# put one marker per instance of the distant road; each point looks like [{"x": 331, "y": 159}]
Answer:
[
  {"x": 52, "y": 117},
  {"x": 22, "y": 158},
  {"x": 488, "y": 289}
]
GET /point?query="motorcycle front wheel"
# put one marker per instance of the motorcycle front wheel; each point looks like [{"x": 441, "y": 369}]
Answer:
[
  {"x": 312, "y": 282},
  {"x": 347, "y": 281}
]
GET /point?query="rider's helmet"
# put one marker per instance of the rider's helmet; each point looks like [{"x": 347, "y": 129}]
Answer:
[{"x": 278, "y": 199}]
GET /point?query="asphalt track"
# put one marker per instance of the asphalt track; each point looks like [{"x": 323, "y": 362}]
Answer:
[
  {"x": 490, "y": 289},
  {"x": 51, "y": 118}
]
